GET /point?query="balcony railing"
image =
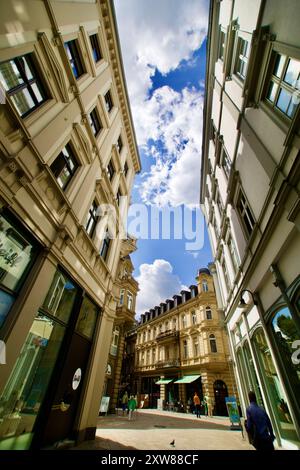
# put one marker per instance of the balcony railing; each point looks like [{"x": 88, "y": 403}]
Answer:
[
  {"x": 167, "y": 334},
  {"x": 167, "y": 363}
]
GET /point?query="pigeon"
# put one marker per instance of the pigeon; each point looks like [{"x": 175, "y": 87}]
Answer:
[{"x": 172, "y": 443}]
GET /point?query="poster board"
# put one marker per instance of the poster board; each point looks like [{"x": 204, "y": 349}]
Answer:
[
  {"x": 233, "y": 413},
  {"x": 104, "y": 405}
]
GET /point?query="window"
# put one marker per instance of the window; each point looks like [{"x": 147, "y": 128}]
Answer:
[
  {"x": 245, "y": 212},
  {"x": 119, "y": 144},
  {"x": 95, "y": 122},
  {"x": 64, "y": 166},
  {"x": 74, "y": 58},
  {"x": 122, "y": 291},
  {"x": 144, "y": 336},
  {"x": 108, "y": 102},
  {"x": 185, "y": 349},
  {"x": 153, "y": 356},
  {"x": 213, "y": 343},
  {"x": 242, "y": 58},
  {"x": 18, "y": 252},
  {"x": 154, "y": 332},
  {"x": 174, "y": 323},
  {"x": 213, "y": 133},
  {"x": 95, "y": 47},
  {"x": 183, "y": 321},
  {"x": 87, "y": 318},
  {"x": 215, "y": 226},
  {"x": 208, "y": 313},
  {"x": 92, "y": 219},
  {"x": 105, "y": 246},
  {"x": 204, "y": 286},
  {"x": 130, "y": 301},
  {"x": 225, "y": 271},
  {"x": 118, "y": 197},
  {"x": 20, "y": 80},
  {"x": 219, "y": 203},
  {"x": 166, "y": 326},
  {"x": 222, "y": 38},
  {"x": 115, "y": 341},
  {"x": 233, "y": 253},
  {"x": 110, "y": 170},
  {"x": 283, "y": 92},
  {"x": 194, "y": 318},
  {"x": 225, "y": 162},
  {"x": 125, "y": 169},
  {"x": 196, "y": 348}
]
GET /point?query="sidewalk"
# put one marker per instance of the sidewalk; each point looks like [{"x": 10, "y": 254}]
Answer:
[{"x": 155, "y": 430}]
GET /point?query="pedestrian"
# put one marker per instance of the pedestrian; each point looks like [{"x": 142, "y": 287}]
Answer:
[
  {"x": 124, "y": 402},
  {"x": 131, "y": 406},
  {"x": 258, "y": 426},
  {"x": 205, "y": 405},
  {"x": 196, "y": 401}
]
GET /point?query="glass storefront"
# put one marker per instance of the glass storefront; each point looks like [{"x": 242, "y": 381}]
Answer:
[
  {"x": 27, "y": 385},
  {"x": 275, "y": 391},
  {"x": 18, "y": 251}
]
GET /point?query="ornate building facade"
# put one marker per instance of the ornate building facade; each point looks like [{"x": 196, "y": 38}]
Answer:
[
  {"x": 68, "y": 157},
  {"x": 250, "y": 190},
  {"x": 182, "y": 347}
]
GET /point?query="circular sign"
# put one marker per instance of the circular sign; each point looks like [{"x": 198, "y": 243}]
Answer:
[{"x": 76, "y": 379}]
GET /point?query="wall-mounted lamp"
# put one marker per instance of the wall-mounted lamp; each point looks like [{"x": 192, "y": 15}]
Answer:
[{"x": 242, "y": 303}]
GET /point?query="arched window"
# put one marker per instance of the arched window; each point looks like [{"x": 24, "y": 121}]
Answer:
[
  {"x": 160, "y": 328},
  {"x": 174, "y": 323},
  {"x": 183, "y": 321},
  {"x": 122, "y": 296},
  {"x": 194, "y": 317},
  {"x": 185, "y": 349},
  {"x": 154, "y": 332},
  {"x": 204, "y": 285},
  {"x": 208, "y": 313},
  {"x": 166, "y": 326},
  {"x": 115, "y": 341},
  {"x": 213, "y": 343},
  {"x": 144, "y": 336},
  {"x": 149, "y": 334}
]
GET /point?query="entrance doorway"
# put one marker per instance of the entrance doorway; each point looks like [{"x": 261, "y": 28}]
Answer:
[
  {"x": 220, "y": 392},
  {"x": 65, "y": 404}
]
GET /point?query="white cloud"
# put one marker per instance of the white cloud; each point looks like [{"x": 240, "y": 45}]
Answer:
[
  {"x": 173, "y": 121},
  {"x": 159, "y": 34},
  {"x": 156, "y": 283}
]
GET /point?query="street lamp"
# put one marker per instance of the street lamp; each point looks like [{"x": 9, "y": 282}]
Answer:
[{"x": 242, "y": 303}]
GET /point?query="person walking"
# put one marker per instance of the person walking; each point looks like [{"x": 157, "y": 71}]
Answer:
[
  {"x": 131, "y": 406},
  {"x": 258, "y": 426},
  {"x": 196, "y": 401},
  {"x": 124, "y": 402},
  {"x": 205, "y": 405},
  {"x": 209, "y": 406}
]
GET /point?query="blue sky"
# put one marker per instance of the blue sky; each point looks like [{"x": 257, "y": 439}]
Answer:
[{"x": 164, "y": 61}]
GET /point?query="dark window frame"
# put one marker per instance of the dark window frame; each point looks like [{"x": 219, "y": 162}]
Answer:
[
  {"x": 109, "y": 104},
  {"x": 126, "y": 168},
  {"x": 92, "y": 219},
  {"x": 28, "y": 83},
  {"x": 95, "y": 121},
  {"x": 76, "y": 60},
  {"x": 245, "y": 212},
  {"x": 110, "y": 170},
  {"x": 119, "y": 144},
  {"x": 66, "y": 159},
  {"x": 106, "y": 243},
  {"x": 95, "y": 45}
]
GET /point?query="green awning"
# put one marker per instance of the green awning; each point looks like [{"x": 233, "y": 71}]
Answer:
[
  {"x": 187, "y": 379},
  {"x": 163, "y": 381}
]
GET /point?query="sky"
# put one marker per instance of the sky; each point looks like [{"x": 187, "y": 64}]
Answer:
[{"x": 163, "y": 46}]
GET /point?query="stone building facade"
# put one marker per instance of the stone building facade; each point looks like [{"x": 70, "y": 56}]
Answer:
[
  {"x": 182, "y": 347},
  {"x": 68, "y": 157}
]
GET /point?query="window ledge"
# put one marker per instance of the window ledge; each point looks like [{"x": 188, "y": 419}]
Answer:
[{"x": 38, "y": 112}]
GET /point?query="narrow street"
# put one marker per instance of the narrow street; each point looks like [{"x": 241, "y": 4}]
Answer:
[{"x": 155, "y": 430}]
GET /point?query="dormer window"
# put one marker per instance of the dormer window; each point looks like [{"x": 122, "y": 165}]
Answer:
[{"x": 204, "y": 286}]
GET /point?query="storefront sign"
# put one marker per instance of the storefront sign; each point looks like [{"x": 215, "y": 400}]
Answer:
[
  {"x": 76, "y": 379},
  {"x": 104, "y": 404}
]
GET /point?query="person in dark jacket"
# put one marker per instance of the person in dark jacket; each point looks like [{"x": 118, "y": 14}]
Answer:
[{"x": 259, "y": 426}]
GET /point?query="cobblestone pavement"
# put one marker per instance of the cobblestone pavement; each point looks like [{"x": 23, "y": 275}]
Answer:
[{"x": 155, "y": 430}]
